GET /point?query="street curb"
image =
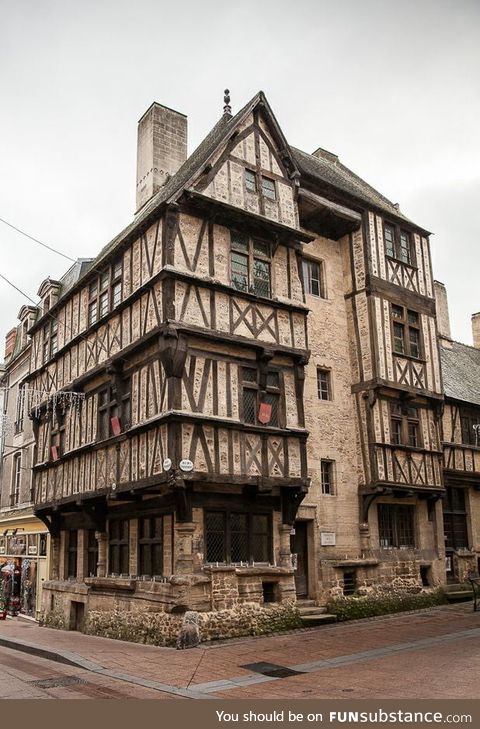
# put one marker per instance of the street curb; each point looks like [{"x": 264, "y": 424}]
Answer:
[
  {"x": 59, "y": 656},
  {"x": 73, "y": 659}
]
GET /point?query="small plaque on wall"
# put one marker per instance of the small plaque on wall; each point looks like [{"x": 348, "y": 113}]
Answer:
[{"x": 327, "y": 539}]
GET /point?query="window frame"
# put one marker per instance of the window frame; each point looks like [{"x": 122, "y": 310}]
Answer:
[
  {"x": 71, "y": 554},
  {"x": 243, "y": 245},
  {"x": 16, "y": 479},
  {"x": 406, "y": 326},
  {"x": 397, "y": 242},
  {"x": 323, "y": 371},
  {"x": 113, "y": 407},
  {"x": 451, "y": 519},
  {"x": 19, "y": 411},
  {"x": 262, "y": 395},
  {"x": 273, "y": 189},
  {"x": 405, "y": 416},
  {"x": 91, "y": 548},
  {"x": 250, "y": 515},
  {"x": 468, "y": 418},
  {"x": 150, "y": 542},
  {"x": 327, "y": 485},
  {"x": 116, "y": 553},
  {"x": 97, "y": 291},
  {"x": 307, "y": 278},
  {"x": 394, "y": 526}
]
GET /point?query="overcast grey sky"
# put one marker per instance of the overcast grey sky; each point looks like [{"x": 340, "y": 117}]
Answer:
[{"x": 391, "y": 87}]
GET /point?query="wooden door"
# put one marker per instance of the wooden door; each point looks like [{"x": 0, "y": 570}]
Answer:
[{"x": 299, "y": 546}]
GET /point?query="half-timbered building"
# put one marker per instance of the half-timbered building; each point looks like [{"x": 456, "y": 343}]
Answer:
[
  {"x": 461, "y": 445},
  {"x": 259, "y": 374}
]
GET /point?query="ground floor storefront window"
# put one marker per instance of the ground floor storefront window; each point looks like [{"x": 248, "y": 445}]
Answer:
[
  {"x": 234, "y": 536},
  {"x": 22, "y": 568}
]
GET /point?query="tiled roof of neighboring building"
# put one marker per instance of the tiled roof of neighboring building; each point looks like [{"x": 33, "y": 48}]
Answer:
[{"x": 461, "y": 372}]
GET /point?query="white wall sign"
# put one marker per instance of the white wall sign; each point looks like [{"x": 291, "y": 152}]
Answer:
[
  {"x": 327, "y": 539},
  {"x": 167, "y": 464},
  {"x": 186, "y": 465}
]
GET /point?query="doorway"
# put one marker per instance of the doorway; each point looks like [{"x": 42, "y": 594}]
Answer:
[{"x": 299, "y": 546}]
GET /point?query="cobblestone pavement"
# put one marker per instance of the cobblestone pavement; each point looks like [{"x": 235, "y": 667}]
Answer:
[{"x": 428, "y": 654}]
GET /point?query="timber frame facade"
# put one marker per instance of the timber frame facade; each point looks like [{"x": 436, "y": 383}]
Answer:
[{"x": 258, "y": 360}]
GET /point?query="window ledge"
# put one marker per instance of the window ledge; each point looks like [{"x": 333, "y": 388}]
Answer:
[
  {"x": 403, "y": 263},
  {"x": 420, "y": 360}
]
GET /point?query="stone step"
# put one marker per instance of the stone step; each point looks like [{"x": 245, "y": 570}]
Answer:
[
  {"x": 458, "y": 596},
  {"x": 309, "y": 621},
  {"x": 305, "y": 603},
  {"x": 310, "y": 609}
]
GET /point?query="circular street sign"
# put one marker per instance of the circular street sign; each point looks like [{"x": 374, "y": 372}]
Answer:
[
  {"x": 186, "y": 465},
  {"x": 167, "y": 464}
]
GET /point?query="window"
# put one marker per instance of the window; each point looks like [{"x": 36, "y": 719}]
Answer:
[
  {"x": 19, "y": 410},
  {"x": 470, "y": 424},
  {"x": 251, "y": 265},
  {"x": 405, "y": 425},
  {"x": 57, "y": 439},
  {"x": 398, "y": 243},
  {"x": 406, "y": 331},
  {"x": 16, "y": 479},
  {"x": 455, "y": 519},
  {"x": 92, "y": 553},
  {"x": 50, "y": 339},
  {"x": 113, "y": 404},
  {"x": 118, "y": 552},
  {"x": 105, "y": 292},
  {"x": 268, "y": 188},
  {"x": 324, "y": 387},
  {"x": 253, "y": 397},
  {"x": 396, "y": 526},
  {"x": 326, "y": 477},
  {"x": 313, "y": 279},
  {"x": 150, "y": 545},
  {"x": 232, "y": 536},
  {"x": 250, "y": 181},
  {"x": 72, "y": 552}
]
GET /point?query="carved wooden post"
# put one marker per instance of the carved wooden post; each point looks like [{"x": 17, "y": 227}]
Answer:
[
  {"x": 102, "y": 541},
  {"x": 55, "y": 557}
]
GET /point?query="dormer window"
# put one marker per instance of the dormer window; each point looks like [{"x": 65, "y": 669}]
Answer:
[
  {"x": 398, "y": 243},
  {"x": 46, "y": 304},
  {"x": 250, "y": 181},
  {"x": 268, "y": 188}
]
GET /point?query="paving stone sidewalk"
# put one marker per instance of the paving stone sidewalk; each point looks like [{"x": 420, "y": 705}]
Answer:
[{"x": 395, "y": 654}]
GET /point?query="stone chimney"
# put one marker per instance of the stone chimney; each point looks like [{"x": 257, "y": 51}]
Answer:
[
  {"x": 476, "y": 329},
  {"x": 443, "y": 317},
  {"x": 10, "y": 338},
  {"x": 161, "y": 149}
]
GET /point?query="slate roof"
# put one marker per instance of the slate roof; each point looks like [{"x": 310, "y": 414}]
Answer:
[
  {"x": 461, "y": 372},
  {"x": 332, "y": 172}
]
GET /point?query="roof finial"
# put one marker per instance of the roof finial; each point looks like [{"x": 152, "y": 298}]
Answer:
[{"x": 227, "y": 109}]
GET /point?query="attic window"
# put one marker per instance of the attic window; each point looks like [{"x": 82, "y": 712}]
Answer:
[
  {"x": 46, "y": 304},
  {"x": 250, "y": 181},
  {"x": 268, "y": 188}
]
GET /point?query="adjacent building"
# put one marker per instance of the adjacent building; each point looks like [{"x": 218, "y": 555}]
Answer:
[{"x": 241, "y": 397}]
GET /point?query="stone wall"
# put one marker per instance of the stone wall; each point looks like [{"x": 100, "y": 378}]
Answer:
[{"x": 162, "y": 629}]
